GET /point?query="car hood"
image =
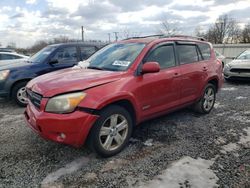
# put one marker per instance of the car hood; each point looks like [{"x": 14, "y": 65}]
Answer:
[
  {"x": 13, "y": 64},
  {"x": 68, "y": 80},
  {"x": 245, "y": 64}
]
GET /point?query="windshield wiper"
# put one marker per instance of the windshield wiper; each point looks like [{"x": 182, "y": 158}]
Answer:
[
  {"x": 96, "y": 68},
  {"x": 28, "y": 61}
]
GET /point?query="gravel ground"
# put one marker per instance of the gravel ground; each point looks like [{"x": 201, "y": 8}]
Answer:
[{"x": 220, "y": 140}]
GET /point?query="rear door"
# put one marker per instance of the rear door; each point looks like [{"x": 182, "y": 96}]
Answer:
[
  {"x": 158, "y": 92},
  {"x": 192, "y": 70},
  {"x": 87, "y": 51}
]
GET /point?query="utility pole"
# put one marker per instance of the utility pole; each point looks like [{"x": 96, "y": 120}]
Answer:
[
  {"x": 116, "y": 36},
  {"x": 109, "y": 37},
  {"x": 82, "y": 34}
]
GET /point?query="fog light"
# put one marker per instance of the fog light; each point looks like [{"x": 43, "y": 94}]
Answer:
[{"x": 62, "y": 136}]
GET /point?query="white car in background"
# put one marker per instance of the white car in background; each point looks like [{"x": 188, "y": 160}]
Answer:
[
  {"x": 7, "y": 56},
  {"x": 239, "y": 68},
  {"x": 221, "y": 57}
]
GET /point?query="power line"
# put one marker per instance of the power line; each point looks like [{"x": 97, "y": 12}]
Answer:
[
  {"x": 116, "y": 36},
  {"x": 109, "y": 37},
  {"x": 82, "y": 34}
]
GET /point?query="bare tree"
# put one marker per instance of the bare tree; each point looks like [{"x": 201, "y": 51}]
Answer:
[
  {"x": 11, "y": 45},
  {"x": 126, "y": 33},
  {"x": 246, "y": 34},
  {"x": 169, "y": 28},
  {"x": 199, "y": 32},
  {"x": 224, "y": 30}
]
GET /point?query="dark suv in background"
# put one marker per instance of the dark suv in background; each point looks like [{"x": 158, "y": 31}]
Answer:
[{"x": 14, "y": 76}]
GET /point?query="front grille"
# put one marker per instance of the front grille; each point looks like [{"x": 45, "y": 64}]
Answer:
[
  {"x": 34, "y": 98},
  {"x": 240, "y": 70}
]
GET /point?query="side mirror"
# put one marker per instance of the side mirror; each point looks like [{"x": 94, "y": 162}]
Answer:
[
  {"x": 150, "y": 67},
  {"x": 53, "y": 61}
]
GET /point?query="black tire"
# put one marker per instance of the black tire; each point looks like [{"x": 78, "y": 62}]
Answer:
[
  {"x": 200, "y": 106},
  {"x": 95, "y": 141},
  {"x": 15, "y": 90},
  {"x": 223, "y": 64}
]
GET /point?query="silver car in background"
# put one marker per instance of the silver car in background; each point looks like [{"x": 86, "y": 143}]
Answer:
[
  {"x": 221, "y": 57},
  {"x": 239, "y": 68}
]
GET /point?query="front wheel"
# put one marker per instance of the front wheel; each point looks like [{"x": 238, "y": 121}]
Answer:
[
  {"x": 19, "y": 94},
  {"x": 206, "y": 103},
  {"x": 111, "y": 132}
]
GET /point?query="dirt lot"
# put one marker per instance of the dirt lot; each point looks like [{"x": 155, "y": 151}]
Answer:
[{"x": 181, "y": 149}]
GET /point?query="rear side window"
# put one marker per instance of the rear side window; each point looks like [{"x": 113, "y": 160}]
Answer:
[
  {"x": 66, "y": 54},
  {"x": 7, "y": 57},
  {"x": 187, "y": 53},
  {"x": 205, "y": 51},
  {"x": 87, "y": 51},
  {"x": 164, "y": 55}
]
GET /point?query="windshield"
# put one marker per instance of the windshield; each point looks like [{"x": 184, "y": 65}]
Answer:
[
  {"x": 42, "y": 54},
  {"x": 115, "y": 57},
  {"x": 244, "y": 55}
]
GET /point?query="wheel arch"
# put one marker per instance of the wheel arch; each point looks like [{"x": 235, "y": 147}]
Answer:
[
  {"x": 215, "y": 82},
  {"x": 127, "y": 104},
  {"x": 17, "y": 82}
]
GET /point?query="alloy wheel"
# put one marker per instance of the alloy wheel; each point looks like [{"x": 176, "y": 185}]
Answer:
[
  {"x": 22, "y": 96},
  {"x": 209, "y": 99},
  {"x": 113, "y": 132}
]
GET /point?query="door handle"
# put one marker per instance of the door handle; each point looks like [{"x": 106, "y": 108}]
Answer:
[
  {"x": 176, "y": 75},
  {"x": 205, "y": 69}
]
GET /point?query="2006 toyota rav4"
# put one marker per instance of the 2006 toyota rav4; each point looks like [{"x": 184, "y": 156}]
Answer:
[{"x": 124, "y": 84}]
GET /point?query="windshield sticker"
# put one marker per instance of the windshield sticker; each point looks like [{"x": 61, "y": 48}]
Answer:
[{"x": 121, "y": 63}]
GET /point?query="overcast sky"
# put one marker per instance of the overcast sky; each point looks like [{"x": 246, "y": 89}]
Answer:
[{"x": 26, "y": 21}]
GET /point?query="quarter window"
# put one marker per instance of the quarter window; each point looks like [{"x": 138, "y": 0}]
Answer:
[
  {"x": 87, "y": 51},
  {"x": 65, "y": 55},
  {"x": 7, "y": 57},
  {"x": 205, "y": 51},
  {"x": 187, "y": 53},
  {"x": 164, "y": 55}
]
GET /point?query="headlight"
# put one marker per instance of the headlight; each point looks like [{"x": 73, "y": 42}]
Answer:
[
  {"x": 64, "y": 103},
  {"x": 4, "y": 74},
  {"x": 227, "y": 66}
]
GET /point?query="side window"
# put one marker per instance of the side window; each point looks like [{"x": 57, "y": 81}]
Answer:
[
  {"x": 7, "y": 57},
  {"x": 187, "y": 53},
  {"x": 164, "y": 55},
  {"x": 205, "y": 50},
  {"x": 67, "y": 54},
  {"x": 17, "y": 57},
  {"x": 87, "y": 51}
]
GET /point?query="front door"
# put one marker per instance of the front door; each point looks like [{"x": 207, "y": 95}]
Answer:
[{"x": 158, "y": 92}]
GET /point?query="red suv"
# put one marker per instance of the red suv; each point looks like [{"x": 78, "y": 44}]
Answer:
[{"x": 120, "y": 86}]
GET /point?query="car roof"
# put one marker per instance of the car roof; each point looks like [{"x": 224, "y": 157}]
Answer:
[
  {"x": 13, "y": 53},
  {"x": 79, "y": 43},
  {"x": 10, "y": 53},
  {"x": 162, "y": 38}
]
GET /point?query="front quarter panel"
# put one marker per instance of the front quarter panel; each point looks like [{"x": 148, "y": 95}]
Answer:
[{"x": 101, "y": 96}]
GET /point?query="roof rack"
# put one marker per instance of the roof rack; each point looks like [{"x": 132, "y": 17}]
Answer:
[
  {"x": 147, "y": 36},
  {"x": 188, "y": 37},
  {"x": 169, "y": 36}
]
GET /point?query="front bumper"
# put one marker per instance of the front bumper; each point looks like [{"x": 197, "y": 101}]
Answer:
[
  {"x": 231, "y": 75},
  {"x": 75, "y": 126},
  {"x": 3, "y": 92}
]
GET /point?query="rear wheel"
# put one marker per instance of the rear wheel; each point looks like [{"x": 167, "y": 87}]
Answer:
[
  {"x": 206, "y": 103},
  {"x": 19, "y": 94},
  {"x": 111, "y": 132}
]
